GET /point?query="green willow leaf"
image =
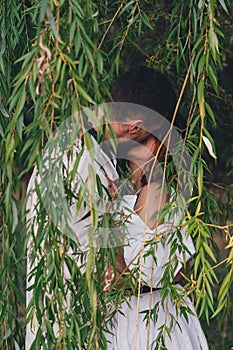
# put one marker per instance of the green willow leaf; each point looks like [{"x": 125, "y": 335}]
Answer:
[{"x": 52, "y": 24}]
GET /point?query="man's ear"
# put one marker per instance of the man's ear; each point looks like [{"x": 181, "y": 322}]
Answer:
[{"x": 135, "y": 126}]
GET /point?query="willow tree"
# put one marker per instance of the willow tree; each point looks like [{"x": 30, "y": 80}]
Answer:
[{"x": 59, "y": 56}]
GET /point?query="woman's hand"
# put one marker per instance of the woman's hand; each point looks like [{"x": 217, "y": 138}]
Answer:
[
  {"x": 113, "y": 279},
  {"x": 112, "y": 187}
]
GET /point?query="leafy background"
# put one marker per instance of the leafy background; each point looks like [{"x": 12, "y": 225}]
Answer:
[{"x": 58, "y": 56}]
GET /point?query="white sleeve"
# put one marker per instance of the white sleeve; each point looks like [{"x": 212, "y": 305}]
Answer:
[{"x": 164, "y": 237}]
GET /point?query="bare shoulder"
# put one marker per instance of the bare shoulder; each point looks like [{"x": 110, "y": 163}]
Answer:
[{"x": 151, "y": 199}]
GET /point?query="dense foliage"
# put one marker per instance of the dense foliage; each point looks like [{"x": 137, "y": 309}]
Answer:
[{"x": 59, "y": 56}]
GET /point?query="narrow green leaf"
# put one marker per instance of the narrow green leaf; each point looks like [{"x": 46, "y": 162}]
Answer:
[
  {"x": 72, "y": 32},
  {"x": 85, "y": 94},
  {"x": 210, "y": 112},
  {"x": 201, "y": 65},
  {"x": 99, "y": 60},
  {"x": 3, "y": 111},
  {"x": 20, "y": 104},
  {"x": 209, "y": 251},
  {"x": 52, "y": 24},
  {"x": 223, "y": 4}
]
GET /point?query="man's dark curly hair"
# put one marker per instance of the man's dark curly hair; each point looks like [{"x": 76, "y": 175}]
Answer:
[{"x": 146, "y": 87}]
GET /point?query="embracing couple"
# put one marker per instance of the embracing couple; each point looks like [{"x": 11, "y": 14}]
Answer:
[{"x": 152, "y": 246}]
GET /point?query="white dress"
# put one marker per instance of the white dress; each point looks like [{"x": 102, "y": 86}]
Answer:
[
  {"x": 129, "y": 327},
  {"x": 130, "y": 331}
]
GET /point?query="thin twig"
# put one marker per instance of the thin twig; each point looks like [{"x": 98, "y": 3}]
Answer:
[{"x": 110, "y": 24}]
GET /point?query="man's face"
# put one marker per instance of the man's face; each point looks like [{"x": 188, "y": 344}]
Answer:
[{"x": 131, "y": 130}]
